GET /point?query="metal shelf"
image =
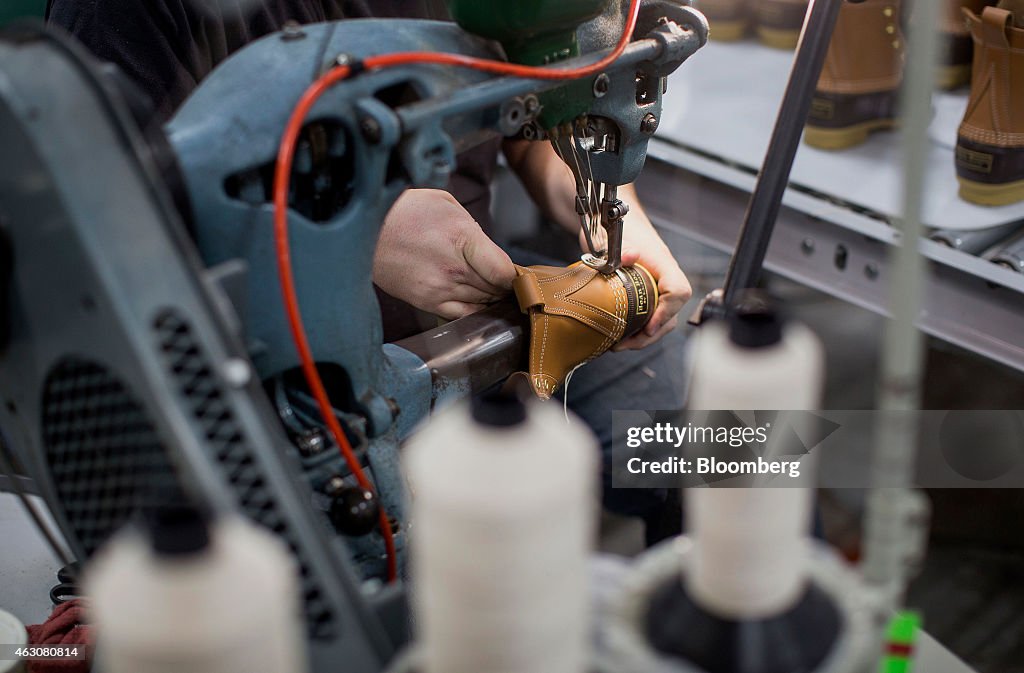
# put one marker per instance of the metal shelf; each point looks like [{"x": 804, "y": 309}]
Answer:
[
  {"x": 723, "y": 103},
  {"x": 832, "y": 247},
  {"x": 834, "y": 230}
]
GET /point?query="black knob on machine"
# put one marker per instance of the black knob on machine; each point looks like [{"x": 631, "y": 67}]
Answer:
[{"x": 354, "y": 511}]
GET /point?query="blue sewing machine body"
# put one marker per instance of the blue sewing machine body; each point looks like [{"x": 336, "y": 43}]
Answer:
[
  {"x": 141, "y": 366},
  {"x": 366, "y": 140}
]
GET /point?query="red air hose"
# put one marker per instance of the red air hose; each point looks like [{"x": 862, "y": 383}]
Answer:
[{"x": 282, "y": 174}]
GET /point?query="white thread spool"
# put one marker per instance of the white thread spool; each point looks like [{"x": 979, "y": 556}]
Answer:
[
  {"x": 751, "y": 544},
  {"x": 230, "y": 607},
  {"x": 12, "y": 632},
  {"x": 503, "y": 522}
]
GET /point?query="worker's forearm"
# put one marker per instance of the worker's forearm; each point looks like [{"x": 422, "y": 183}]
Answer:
[
  {"x": 552, "y": 187},
  {"x": 547, "y": 179}
]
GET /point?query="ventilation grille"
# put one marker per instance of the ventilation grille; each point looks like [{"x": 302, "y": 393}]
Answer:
[
  {"x": 201, "y": 390},
  {"x": 103, "y": 451}
]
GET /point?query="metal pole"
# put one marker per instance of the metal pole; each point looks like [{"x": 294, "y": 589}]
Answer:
[
  {"x": 897, "y": 515},
  {"x": 759, "y": 221},
  {"x": 7, "y": 470}
]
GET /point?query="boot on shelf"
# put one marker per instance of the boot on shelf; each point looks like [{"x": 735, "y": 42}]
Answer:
[
  {"x": 860, "y": 80},
  {"x": 990, "y": 140},
  {"x": 728, "y": 19},
  {"x": 958, "y": 48},
  {"x": 779, "y": 22}
]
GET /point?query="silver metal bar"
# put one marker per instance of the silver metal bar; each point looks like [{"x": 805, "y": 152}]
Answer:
[
  {"x": 896, "y": 516},
  {"x": 612, "y": 224},
  {"x": 15, "y": 482},
  {"x": 975, "y": 242},
  {"x": 470, "y": 354},
  {"x": 494, "y": 91},
  {"x": 7, "y": 470},
  {"x": 1011, "y": 256}
]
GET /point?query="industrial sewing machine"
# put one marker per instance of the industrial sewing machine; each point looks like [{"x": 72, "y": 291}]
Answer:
[{"x": 145, "y": 353}]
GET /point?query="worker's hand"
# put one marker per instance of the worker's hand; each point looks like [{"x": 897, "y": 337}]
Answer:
[
  {"x": 642, "y": 244},
  {"x": 432, "y": 254}
]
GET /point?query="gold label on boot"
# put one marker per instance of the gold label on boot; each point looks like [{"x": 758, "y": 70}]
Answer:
[
  {"x": 971, "y": 160},
  {"x": 643, "y": 301},
  {"x": 822, "y": 109}
]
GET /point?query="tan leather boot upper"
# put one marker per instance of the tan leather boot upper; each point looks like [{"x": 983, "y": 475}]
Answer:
[
  {"x": 577, "y": 313},
  {"x": 995, "y": 110},
  {"x": 952, "y": 19},
  {"x": 866, "y": 52},
  {"x": 957, "y": 48}
]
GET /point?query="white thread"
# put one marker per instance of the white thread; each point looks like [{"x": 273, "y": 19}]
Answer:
[
  {"x": 751, "y": 544},
  {"x": 146, "y": 606},
  {"x": 565, "y": 394},
  {"x": 498, "y": 582}
]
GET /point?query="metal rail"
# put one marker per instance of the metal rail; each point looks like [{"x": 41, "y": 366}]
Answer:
[
  {"x": 759, "y": 219},
  {"x": 969, "y": 301}
]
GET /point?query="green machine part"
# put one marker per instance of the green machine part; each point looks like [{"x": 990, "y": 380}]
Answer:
[
  {"x": 536, "y": 32},
  {"x": 900, "y": 639},
  {"x": 20, "y": 9}
]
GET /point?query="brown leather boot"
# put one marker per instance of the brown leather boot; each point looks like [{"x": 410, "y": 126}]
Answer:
[
  {"x": 861, "y": 77},
  {"x": 958, "y": 48},
  {"x": 779, "y": 22},
  {"x": 728, "y": 19},
  {"x": 577, "y": 313},
  {"x": 990, "y": 141}
]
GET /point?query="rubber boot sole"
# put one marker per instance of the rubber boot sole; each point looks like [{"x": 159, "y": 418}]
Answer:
[
  {"x": 779, "y": 39},
  {"x": 844, "y": 138},
  {"x": 989, "y": 175},
  {"x": 985, "y": 194}
]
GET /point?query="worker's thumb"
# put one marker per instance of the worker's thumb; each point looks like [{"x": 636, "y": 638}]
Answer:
[{"x": 489, "y": 262}]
